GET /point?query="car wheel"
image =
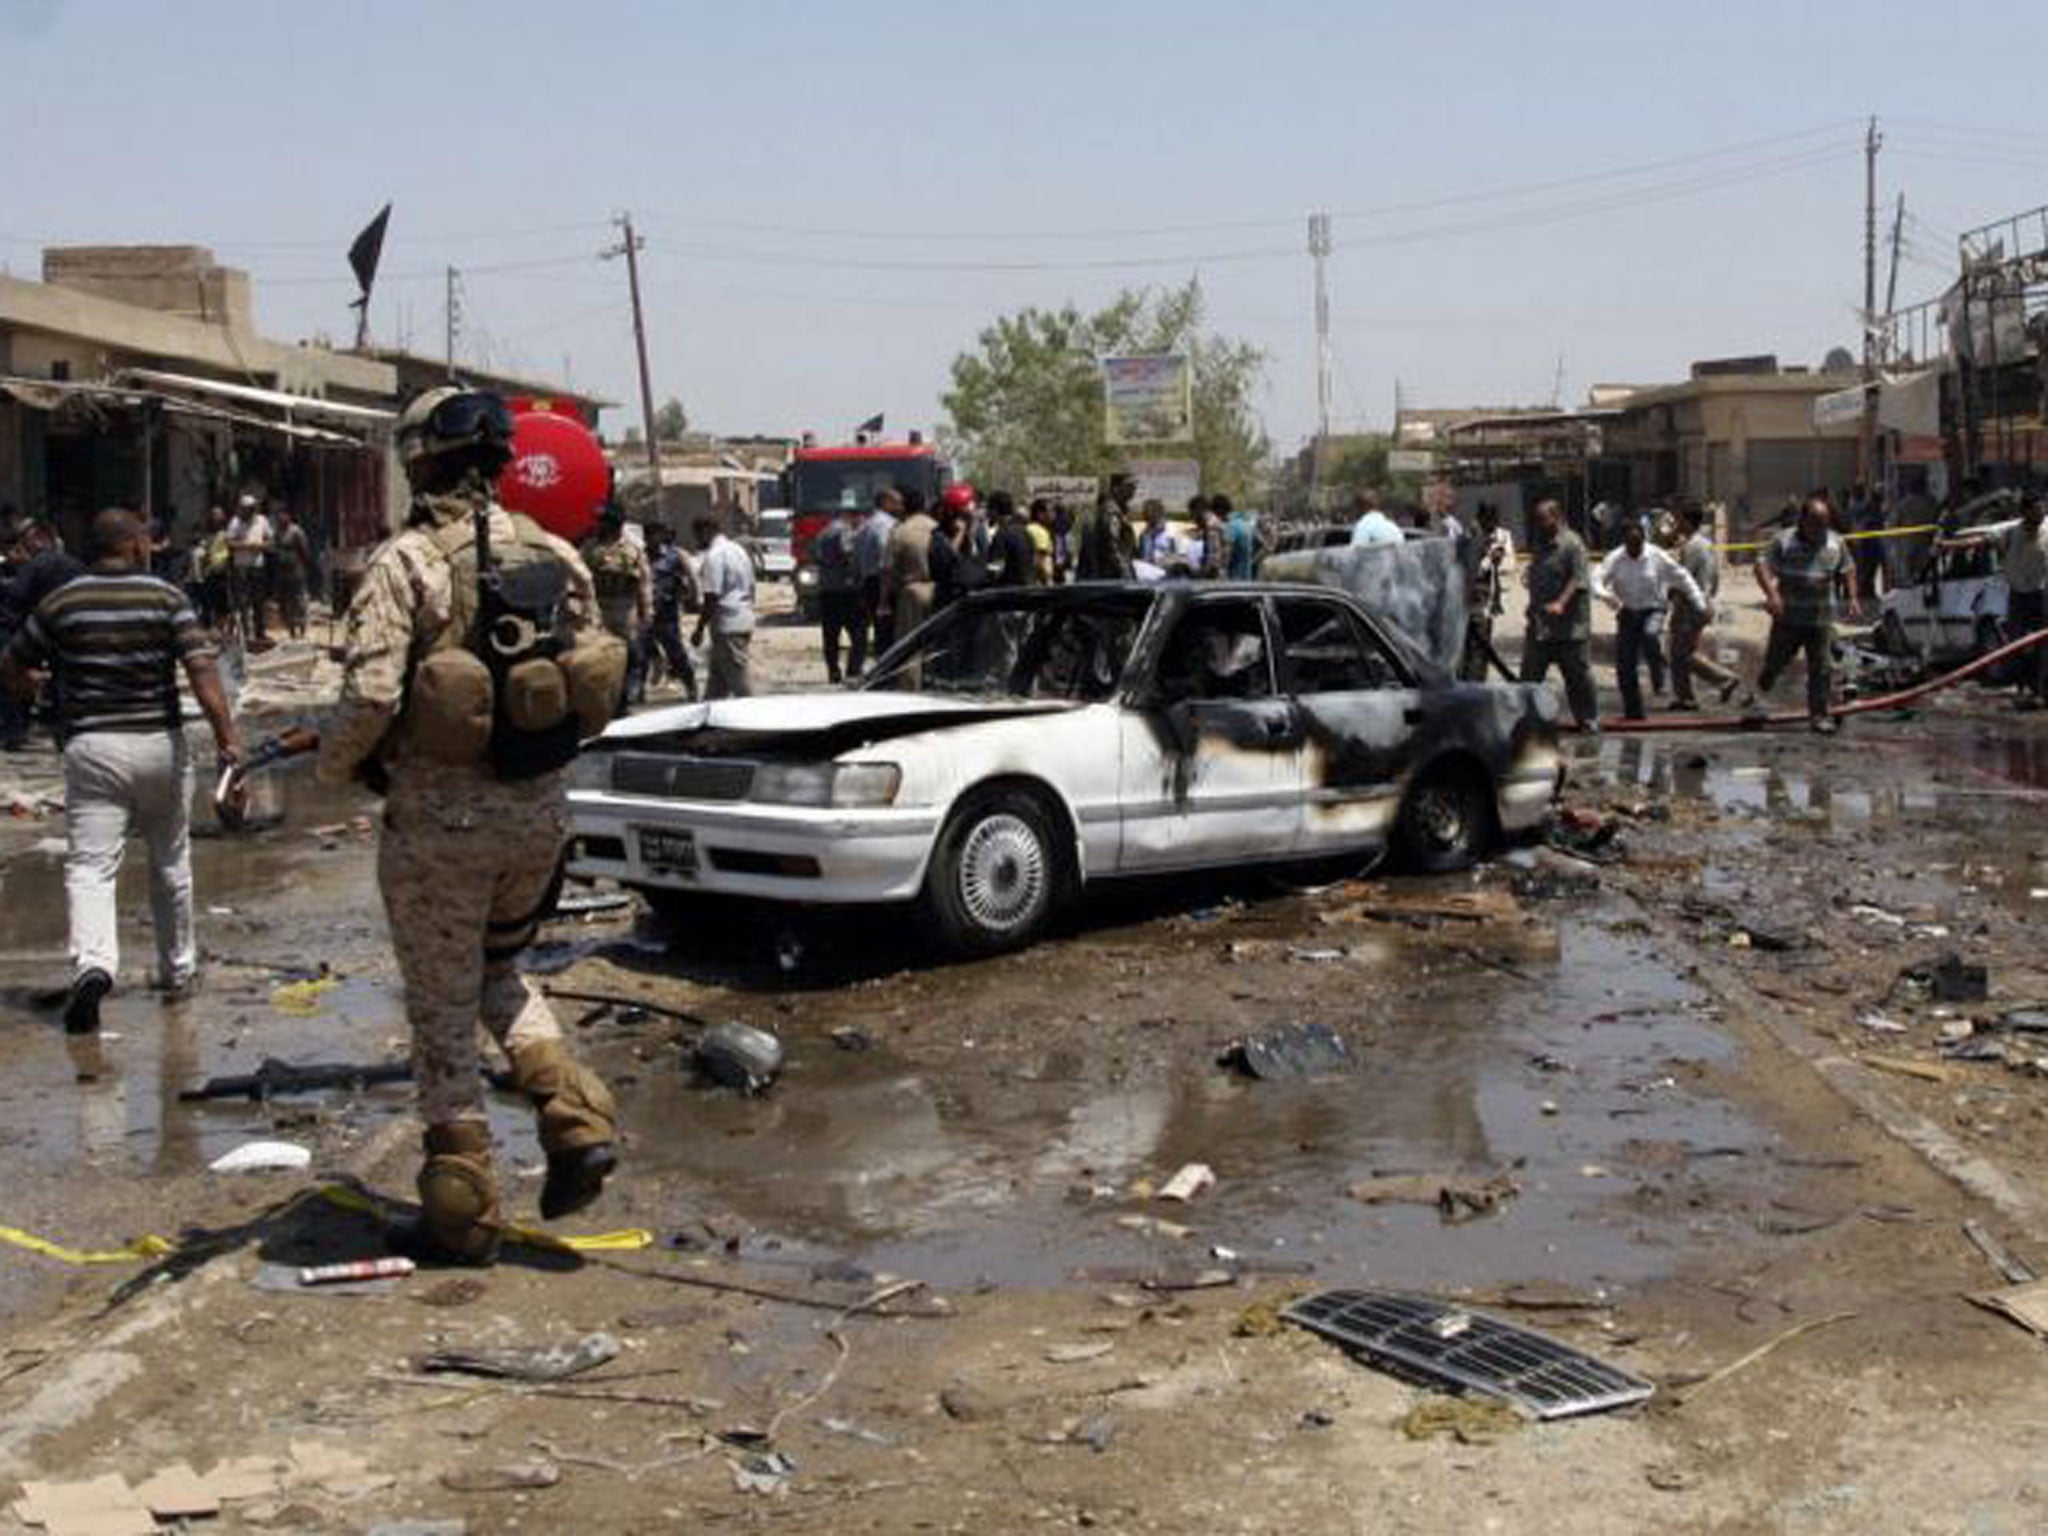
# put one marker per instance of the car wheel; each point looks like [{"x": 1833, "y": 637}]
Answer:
[
  {"x": 995, "y": 874},
  {"x": 1445, "y": 821}
]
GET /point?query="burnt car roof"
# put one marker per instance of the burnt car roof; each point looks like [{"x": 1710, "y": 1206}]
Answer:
[{"x": 1181, "y": 589}]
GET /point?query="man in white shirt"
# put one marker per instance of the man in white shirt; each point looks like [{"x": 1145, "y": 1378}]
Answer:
[
  {"x": 2023, "y": 561},
  {"x": 727, "y": 582},
  {"x": 249, "y": 551},
  {"x": 1373, "y": 526},
  {"x": 1634, "y": 580}
]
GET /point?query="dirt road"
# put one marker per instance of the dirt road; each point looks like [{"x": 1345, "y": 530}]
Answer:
[{"x": 1729, "y": 1125}]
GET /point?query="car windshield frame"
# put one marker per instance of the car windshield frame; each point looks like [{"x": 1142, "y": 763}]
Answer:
[{"x": 1031, "y": 630}]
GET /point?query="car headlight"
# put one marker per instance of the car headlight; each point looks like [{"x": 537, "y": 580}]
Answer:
[
  {"x": 839, "y": 785},
  {"x": 591, "y": 770}
]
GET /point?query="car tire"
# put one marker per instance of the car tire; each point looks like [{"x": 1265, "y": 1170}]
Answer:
[
  {"x": 1445, "y": 821},
  {"x": 996, "y": 874}
]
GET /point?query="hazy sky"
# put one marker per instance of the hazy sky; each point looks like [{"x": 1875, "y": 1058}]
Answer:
[{"x": 836, "y": 197}]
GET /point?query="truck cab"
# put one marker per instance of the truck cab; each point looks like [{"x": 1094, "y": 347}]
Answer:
[{"x": 823, "y": 481}]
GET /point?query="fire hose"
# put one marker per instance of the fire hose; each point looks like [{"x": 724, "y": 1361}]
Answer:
[{"x": 1898, "y": 700}]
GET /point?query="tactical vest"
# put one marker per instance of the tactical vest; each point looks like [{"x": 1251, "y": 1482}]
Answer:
[{"x": 506, "y": 685}]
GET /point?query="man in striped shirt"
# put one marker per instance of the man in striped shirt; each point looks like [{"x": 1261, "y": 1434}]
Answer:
[{"x": 115, "y": 638}]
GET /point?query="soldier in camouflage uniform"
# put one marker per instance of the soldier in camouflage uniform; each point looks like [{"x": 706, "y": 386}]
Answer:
[
  {"x": 625, "y": 592},
  {"x": 468, "y": 856}
]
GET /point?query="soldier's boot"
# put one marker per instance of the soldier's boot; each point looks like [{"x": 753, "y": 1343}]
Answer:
[
  {"x": 578, "y": 1124},
  {"x": 459, "y": 1218}
]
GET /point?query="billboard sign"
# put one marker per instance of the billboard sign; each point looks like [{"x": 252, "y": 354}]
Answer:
[{"x": 1149, "y": 399}]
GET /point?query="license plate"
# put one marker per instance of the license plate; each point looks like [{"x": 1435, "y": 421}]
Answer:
[{"x": 664, "y": 851}]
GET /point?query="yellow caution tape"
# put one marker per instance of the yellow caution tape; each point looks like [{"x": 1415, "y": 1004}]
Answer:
[
  {"x": 301, "y": 999},
  {"x": 151, "y": 1247},
  {"x": 626, "y": 1240},
  {"x": 1847, "y": 538}
]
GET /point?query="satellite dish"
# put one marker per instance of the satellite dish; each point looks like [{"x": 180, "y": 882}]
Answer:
[{"x": 1838, "y": 360}]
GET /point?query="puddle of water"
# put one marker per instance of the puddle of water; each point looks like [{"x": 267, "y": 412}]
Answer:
[{"x": 968, "y": 1176}]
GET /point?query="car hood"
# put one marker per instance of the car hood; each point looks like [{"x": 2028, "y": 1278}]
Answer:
[{"x": 830, "y": 722}]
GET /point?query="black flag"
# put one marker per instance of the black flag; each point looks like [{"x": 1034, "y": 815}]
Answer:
[
  {"x": 368, "y": 249},
  {"x": 872, "y": 424}
]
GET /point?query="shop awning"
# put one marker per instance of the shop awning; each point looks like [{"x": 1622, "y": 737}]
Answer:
[{"x": 249, "y": 394}]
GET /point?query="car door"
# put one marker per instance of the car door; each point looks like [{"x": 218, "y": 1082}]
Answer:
[
  {"x": 1211, "y": 769},
  {"x": 1361, "y": 717}
]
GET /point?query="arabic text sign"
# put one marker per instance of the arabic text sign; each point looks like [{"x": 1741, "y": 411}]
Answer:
[
  {"x": 1838, "y": 407},
  {"x": 1149, "y": 399}
]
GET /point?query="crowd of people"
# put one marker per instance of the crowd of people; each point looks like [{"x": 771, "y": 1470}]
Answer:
[{"x": 885, "y": 569}]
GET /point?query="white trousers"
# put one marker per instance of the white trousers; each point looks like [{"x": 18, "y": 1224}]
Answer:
[{"x": 119, "y": 784}]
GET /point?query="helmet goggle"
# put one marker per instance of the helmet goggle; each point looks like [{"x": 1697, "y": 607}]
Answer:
[{"x": 460, "y": 420}]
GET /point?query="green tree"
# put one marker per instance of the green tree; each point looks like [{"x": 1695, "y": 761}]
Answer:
[
  {"x": 1028, "y": 399},
  {"x": 671, "y": 421}
]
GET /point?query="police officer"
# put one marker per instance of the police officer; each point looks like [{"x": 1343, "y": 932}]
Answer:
[
  {"x": 625, "y": 592},
  {"x": 452, "y": 701}
]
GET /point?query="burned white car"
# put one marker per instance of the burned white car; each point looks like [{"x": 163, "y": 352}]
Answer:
[{"x": 1026, "y": 743}]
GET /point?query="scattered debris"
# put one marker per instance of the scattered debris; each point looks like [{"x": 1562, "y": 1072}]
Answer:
[
  {"x": 853, "y": 1431},
  {"x": 2002, "y": 1258},
  {"x": 2025, "y": 1304},
  {"x": 1155, "y": 1226},
  {"x": 1459, "y": 1348},
  {"x": 2031, "y": 1020},
  {"x": 275, "y": 1077},
  {"x": 177, "y": 1492},
  {"x": 357, "y": 1269},
  {"x": 1585, "y": 834},
  {"x": 1468, "y": 1420},
  {"x": 1077, "y": 1354},
  {"x": 555, "y": 1362},
  {"x": 1292, "y": 1050},
  {"x": 301, "y": 999},
  {"x": 263, "y": 1157},
  {"x": 1926, "y": 1071},
  {"x": 285, "y": 1277},
  {"x": 1457, "y": 1197},
  {"x": 1189, "y": 1182},
  {"x": 103, "y": 1506},
  {"x": 767, "y": 1474},
  {"x": 511, "y": 1477},
  {"x": 1947, "y": 979},
  {"x": 738, "y": 1056},
  {"x": 1313, "y": 956},
  {"x": 847, "y": 1038},
  {"x": 1667, "y": 1478},
  {"x": 1743, "y": 1362}
]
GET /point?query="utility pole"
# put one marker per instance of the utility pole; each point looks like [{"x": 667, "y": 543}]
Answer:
[
  {"x": 1891, "y": 282},
  {"x": 629, "y": 246},
  {"x": 1318, "y": 250},
  {"x": 1866, "y": 447},
  {"x": 452, "y": 318}
]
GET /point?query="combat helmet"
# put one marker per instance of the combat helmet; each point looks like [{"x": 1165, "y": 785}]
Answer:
[{"x": 448, "y": 419}]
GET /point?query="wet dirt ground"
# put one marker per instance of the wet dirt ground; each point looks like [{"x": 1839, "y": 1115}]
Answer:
[{"x": 1649, "y": 1051}]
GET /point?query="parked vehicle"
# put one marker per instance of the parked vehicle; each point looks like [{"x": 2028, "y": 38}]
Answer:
[
  {"x": 822, "y": 481},
  {"x": 1951, "y": 608},
  {"x": 770, "y": 547},
  {"x": 1026, "y": 743}
]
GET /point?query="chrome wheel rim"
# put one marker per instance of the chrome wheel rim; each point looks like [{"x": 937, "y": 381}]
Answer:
[{"x": 1002, "y": 873}]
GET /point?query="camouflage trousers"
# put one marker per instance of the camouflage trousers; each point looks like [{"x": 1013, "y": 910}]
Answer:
[{"x": 465, "y": 864}]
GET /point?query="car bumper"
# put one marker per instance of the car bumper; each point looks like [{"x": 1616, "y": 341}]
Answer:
[
  {"x": 776, "y": 852},
  {"x": 1528, "y": 789}
]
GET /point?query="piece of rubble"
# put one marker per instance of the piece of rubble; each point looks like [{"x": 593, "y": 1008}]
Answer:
[
  {"x": 177, "y": 1492},
  {"x": 552, "y": 1362},
  {"x": 1189, "y": 1182},
  {"x": 100, "y": 1506}
]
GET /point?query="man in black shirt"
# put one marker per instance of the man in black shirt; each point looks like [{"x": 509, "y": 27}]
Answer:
[{"x": 1013, "y": 558}]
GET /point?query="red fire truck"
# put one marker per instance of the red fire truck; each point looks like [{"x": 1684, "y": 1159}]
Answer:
[{"x": 821, "y": 482}]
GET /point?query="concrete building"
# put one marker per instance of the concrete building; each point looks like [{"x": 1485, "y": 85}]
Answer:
[
  {"x": 134, "y": 375},
  {"x": 1742, "y": 433},
  {"x": 417, "y": 372}
]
